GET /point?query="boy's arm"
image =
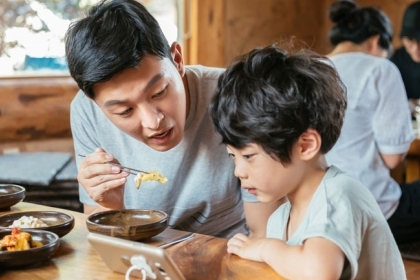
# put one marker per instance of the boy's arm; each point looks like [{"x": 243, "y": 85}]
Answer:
[
  {"x": 317, "y": 258},
  {"x": 257, "y": 214}
]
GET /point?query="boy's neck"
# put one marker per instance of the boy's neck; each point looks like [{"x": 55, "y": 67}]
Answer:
[
  {"x": 302, "y": 196},
  {"x": 314, "y": 173}
]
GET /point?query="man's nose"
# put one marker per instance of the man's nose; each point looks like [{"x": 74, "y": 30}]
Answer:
[{"x": 151, "y": 117}]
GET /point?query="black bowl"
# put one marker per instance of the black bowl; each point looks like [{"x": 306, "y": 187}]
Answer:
[
  {"x": 10, "y": 195},
  {"x": 58, "y": 222},
  {"x": 131, "y": 224},
  {"x": 15, "y": 259}
]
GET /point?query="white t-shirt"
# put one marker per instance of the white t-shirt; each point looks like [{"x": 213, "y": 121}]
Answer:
[
  {"x": 345, "y": 212},
  {"x": 202, "y": 194},
  {"x": 377, "y": 121}
]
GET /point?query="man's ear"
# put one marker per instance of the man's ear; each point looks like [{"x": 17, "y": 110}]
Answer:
[
  {"x": 309, "y": 144},
  {"x": 176, "y": 52}
]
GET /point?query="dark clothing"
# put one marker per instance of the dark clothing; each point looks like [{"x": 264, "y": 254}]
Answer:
[
  {"x": 405, "y": 222},
  {"x": 410, "y": 72}
]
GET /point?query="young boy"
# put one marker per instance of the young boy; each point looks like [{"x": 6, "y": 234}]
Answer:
[{"x": 279, "y": 114}]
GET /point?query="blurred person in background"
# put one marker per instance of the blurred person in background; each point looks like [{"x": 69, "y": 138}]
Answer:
[
  {"x": 407, "y": 57},
  {"x": 377, "y": 130}
]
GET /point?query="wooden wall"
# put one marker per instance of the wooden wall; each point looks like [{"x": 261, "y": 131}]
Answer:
[
  {"x": 35, "y": 114},
  {"x": 220, "y": 30}
]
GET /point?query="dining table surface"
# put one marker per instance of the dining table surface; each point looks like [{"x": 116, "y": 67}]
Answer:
[{"x": 200, "y": 257}]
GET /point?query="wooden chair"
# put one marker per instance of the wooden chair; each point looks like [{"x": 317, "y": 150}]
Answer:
[{"x": 409, "y": 170}]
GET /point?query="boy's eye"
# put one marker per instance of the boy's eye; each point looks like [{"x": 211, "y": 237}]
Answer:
[
  {"x": 247, "y": 156},
  {"x": 232, "y": 156}
]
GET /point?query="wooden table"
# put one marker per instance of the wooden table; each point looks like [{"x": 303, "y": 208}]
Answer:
[{"x": 202, "y": 257}]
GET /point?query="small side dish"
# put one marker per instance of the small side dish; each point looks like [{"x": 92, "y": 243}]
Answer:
[
  {"x": 152, "y": 176},
  {"x": 18, "y": 241},
  {"x": 28, "y": 222}
]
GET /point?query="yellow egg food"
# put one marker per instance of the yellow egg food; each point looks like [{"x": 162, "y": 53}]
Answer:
[{"x": 151, "y": 176}]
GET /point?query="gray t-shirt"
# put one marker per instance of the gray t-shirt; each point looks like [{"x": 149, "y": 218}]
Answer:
[
  {"x": 201, "y": 195},
  {"x": 343, "y": 211},
  {"x": 377, "y": 121}
]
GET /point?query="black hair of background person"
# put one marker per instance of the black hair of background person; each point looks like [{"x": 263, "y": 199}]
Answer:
[{"x": 357, "y": 25}]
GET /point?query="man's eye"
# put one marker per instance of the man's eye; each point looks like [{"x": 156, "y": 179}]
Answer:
[
  {"x": 160, "y": 93},
  {"x": 232, "y": 156},
  {"x": 125, "y": 112}
]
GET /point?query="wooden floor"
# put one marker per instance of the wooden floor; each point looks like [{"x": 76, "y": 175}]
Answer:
[{"x": 412, "y": 269}]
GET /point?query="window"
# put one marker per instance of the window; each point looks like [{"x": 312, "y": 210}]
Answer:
[{"x": 32, "y": 32}]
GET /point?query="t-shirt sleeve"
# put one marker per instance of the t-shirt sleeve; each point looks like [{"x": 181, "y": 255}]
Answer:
[
  {"x": 333, "y": 208},
  {"x": 83, "y": 137},
  {"x": 392, "y": 126}
]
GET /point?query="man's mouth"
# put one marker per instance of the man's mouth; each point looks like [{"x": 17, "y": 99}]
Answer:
[{"x": 161, "y": 135}]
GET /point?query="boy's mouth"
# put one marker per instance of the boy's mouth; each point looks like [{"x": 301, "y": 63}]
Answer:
[{"x": 251, "y": 190}]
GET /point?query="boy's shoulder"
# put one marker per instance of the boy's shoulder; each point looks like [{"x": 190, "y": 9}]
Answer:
[{"x": 341, "y": 187}]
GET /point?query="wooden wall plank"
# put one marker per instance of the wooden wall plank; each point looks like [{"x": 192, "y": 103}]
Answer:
[{"x": 35, "y": 108}]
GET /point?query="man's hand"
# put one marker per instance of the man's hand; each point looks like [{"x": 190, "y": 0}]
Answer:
[{"x": 104, "y": 183}]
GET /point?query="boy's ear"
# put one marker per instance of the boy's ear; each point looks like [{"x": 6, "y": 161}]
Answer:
[
  {"x": 176, "y": 53},
  {"x": 309, "y": 144}
]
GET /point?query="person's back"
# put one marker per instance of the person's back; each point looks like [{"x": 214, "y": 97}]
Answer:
[
  {"x": 377, "y": 130},
  {"x": 376, "y": 121}
]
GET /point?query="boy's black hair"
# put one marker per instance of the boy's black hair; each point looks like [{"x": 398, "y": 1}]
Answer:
[
  {"x": 357, "y": 24},
  {"x": 114, "y": 36},
  {"x": 270, "y": 98}
]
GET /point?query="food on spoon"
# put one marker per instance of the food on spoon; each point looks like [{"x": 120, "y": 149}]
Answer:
[
  {"x": 28, "y": 222},
  {"x": 18, "y": 241},
  {"x": 151, "y": 176}
]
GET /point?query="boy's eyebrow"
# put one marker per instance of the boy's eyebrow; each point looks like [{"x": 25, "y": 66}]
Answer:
[{"x": 152, "y": 81}]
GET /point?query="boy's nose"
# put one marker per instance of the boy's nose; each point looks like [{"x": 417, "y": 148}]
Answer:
[{"x": 240, "y": 173}]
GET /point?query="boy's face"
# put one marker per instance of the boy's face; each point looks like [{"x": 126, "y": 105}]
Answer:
[
  {"x": 262, "y": 175},
  {"x": 148, "y": 103}
]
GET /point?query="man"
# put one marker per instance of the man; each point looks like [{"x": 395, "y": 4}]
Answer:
[
  {"x": 407, "y": 57},
  {"x": 143, "y": 107}
]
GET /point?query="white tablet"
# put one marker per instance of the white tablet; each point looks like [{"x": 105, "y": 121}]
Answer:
[{"x": 120, "y": 254}]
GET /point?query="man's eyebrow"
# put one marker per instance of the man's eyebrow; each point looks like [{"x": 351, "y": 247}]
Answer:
[
  {"x": 114, "y": 102},
  {"x": 152, "y": 81}
]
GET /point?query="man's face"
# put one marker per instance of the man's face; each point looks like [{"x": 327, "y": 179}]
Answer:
[
  {"x": 413, "y": 48},
  {"x": 147, "y": 102}
]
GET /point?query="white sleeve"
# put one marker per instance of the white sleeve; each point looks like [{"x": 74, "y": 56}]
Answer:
[{"x": 392, "y": 126}]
